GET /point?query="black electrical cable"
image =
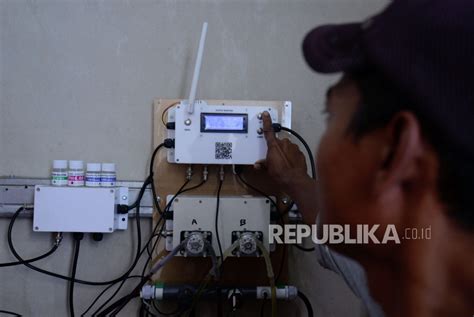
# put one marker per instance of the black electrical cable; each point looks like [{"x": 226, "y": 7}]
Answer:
[
  {"x": 151, "y": 175},
  {"x": 307, "y": 303},
  {"x": 150, "y": 255},
  {"x": 9, "y": 313},
  {"x": 122, "y": 283},
  {"x": 112, "y": 296},
  {"x": 217, "y": 220},
  {"x": 140, "y": 193},
  {"x": 277, "y": 128},
  {"x": 180, "y": 191},
  {"x": 96, "y": 299},
  {"x": 257, "y": 190},
  {"x": 168, "y": 205},
  {"x": 53, "y": 249},
  {"x": 118, "y": 305},
  {"x": 67, "y": 278},
  {"x": 77, "y": 245}
]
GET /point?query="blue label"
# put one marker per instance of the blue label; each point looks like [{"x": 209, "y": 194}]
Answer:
[{"x": 92, "y": 178}]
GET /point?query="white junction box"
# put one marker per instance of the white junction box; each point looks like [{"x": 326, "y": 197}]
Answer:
[
  {"x": 221, "y": 134},
  {"x": 79, "y": 209},
  {"x": 237, "y": 215}
]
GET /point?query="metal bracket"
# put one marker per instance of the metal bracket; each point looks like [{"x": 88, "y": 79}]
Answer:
[{"x": 17, "y": 192}]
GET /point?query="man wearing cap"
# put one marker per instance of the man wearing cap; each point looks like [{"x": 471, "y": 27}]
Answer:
[{"x": 398, "y": 150}]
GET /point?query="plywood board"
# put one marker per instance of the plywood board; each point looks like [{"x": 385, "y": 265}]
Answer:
[{"x": 170, "y": 177}]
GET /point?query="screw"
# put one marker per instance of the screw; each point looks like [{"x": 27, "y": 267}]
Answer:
[
  {"x": 36, "y": 228},
  {"x": 110, "y": 229},
  {"x": 285, "y": 200},
  {"x": 124, "y": 197},
  {"x": 37, "y": 189},
  {"x": 176, "y": 200},
  {"x": 111, "y": 191}
]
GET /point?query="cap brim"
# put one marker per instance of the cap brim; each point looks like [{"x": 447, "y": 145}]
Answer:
[{"x": 334, "y": 48}]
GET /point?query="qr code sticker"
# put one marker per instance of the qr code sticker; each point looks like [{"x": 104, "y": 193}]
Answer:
[{"x": 223, "y": 150}]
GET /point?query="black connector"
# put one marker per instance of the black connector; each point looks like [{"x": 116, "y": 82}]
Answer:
[
  {"x": 122, "y": 209},
  {"x": 78, "y": 236},
  {"x": 169, "y": 143},
  {"x": 168, "y": 214},
  {"x": 170, "y": 125},
  {"x": 276, "y": 127}
]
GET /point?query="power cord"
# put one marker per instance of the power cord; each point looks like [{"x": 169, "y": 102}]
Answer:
[
  {"x": 168, "y": 206},
  {"x": 277, "y": 128},
  {"x": 7, "y": 312},
  {"x": 78, "y": 236},
  {"x": 104, "y": 291},
  {"x": 63, "y": 277},
  {"x": 53, "y": 249},
  {"x": 168, "y": 143},
  {"x": 216, "y": 224},
  {"x": 117, "y": 306},
  {"x": 306, "y": 302}
]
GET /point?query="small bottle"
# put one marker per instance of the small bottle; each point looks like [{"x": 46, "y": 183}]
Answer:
[
  {"x": 108, "y": 177},
  {"x": 59, "y": 173},
  {"x": 93, "y": 175},
  {"x": 76, "y": 173}
]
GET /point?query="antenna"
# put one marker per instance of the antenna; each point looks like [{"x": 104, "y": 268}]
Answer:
[{"x": 197, "y": 69}]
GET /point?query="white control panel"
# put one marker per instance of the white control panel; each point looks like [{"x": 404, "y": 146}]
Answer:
[
  {"x": 237, "y": 216},
  {"x": 220, "y": 134},
  {"x": 79, "y": 209}
]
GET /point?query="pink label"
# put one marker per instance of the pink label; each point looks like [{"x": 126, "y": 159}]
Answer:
[{"x": 74, "y": 178}]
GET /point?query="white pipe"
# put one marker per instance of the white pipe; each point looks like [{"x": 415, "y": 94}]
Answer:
[{"x": 197, "y": 68}]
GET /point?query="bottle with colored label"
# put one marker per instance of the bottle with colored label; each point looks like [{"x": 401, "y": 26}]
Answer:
[
  {"x": 75, "y": 173},
  {"x": 108, "y": 177},
  {"x": 59, "y": 173},
  {"x": 93, "y": 175}
]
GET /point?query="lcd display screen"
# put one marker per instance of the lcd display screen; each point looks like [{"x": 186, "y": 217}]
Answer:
[{"x": 235, "y": 123}]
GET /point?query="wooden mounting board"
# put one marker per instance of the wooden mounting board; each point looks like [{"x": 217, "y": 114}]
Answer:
[{"x": 170, "y": 177}]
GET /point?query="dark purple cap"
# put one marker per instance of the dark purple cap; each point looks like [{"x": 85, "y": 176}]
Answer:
[{"x": 425, "y": 48}]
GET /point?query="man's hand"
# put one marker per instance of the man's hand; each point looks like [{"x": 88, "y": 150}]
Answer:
[{"x": 285, "y": 163}]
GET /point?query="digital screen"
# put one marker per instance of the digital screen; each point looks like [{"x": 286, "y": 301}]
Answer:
[{"x": 211, "y": 122}]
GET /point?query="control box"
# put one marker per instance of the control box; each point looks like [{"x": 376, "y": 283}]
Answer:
[
  {"x": 243, "y": 218},
  {"x": 79, "y": 209},
  {"x": 221, "y": 134}
]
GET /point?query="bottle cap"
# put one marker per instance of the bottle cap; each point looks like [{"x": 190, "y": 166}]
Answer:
[
  {"x": 93, "y": 167},
  {"x": 59, "y": 164},
  {"x": 76, "y": 165},
  {"x": 108, "y": 167}
]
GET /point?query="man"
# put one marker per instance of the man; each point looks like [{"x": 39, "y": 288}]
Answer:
[{"x": 398, "y": 149}]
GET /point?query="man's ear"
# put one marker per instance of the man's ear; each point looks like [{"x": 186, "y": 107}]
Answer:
[{"x": 403, "y": 145}]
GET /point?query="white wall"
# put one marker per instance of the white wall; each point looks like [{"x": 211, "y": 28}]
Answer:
[{"x": 77, "y": 80}]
